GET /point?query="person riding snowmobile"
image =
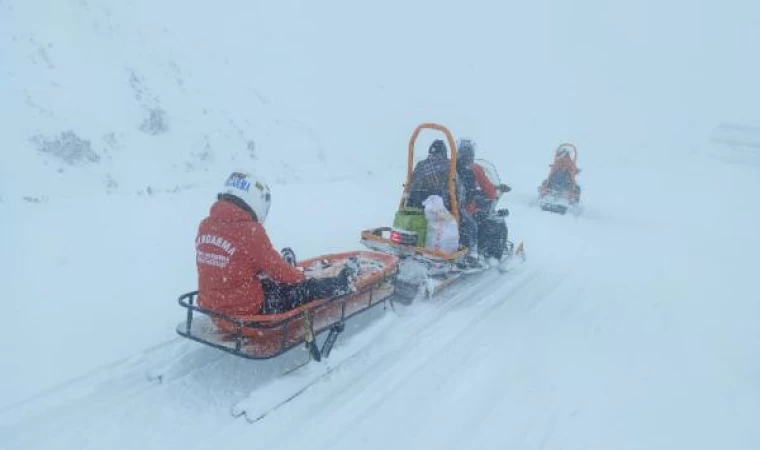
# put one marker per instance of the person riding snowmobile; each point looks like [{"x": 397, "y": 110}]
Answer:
[
  {"x": 562, "y": 174},
  {"x": 431, "y": 177},
  {"x": 479, "y": 190},
  {"x": 234, "y": 253}
]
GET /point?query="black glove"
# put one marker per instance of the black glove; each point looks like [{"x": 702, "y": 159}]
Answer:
[{"x": 504, "y": 188}]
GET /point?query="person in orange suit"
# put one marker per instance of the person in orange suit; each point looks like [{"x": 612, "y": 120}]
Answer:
[{"x": 562, "y": 176}]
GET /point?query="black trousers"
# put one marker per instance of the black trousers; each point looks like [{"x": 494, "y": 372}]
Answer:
[{"x": 279, "y": 298}]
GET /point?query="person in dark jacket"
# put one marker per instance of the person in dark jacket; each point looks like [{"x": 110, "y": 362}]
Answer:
[
  {"x": 480, "y": 193},
  {"x": 431, "y": 177}
]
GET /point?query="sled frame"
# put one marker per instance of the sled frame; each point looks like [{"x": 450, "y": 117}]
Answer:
[
  {"x": 189, "y": 302},
  {"x": 452, "y": 171}
]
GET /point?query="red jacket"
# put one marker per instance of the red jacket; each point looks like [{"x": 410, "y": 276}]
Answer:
[
  {"x": 484, "y": 184},
  {"x": 564, "y": 163},
  {"x": 231, "y": 250}
]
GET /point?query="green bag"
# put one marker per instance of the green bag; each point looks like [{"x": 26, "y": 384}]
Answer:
[{"x": 413, "y": 220}]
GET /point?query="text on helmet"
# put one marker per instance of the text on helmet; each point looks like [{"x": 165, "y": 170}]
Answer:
[{"x": 238, "y": 183}]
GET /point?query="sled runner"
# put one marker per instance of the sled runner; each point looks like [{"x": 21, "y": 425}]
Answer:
[{"x": 265, "y": 336}]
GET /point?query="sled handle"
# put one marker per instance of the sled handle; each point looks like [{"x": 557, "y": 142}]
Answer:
[{"x": 452, "y": 170}]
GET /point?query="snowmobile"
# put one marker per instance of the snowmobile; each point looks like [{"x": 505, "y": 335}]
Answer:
[
  {"x": 560, "y": 192},
  {"x": 427, "y": 271},
  {"x": 265, "y": 336}
]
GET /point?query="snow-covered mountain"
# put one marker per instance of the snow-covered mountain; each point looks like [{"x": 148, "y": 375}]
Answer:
[
  {"x": 633, "y": 326},
  {"x": 101, "y": 95}
]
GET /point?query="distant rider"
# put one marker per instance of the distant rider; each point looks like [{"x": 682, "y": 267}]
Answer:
[{"x": 562, "y": 174}]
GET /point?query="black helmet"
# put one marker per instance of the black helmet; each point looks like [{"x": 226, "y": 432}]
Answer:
[
  {"x": 437, "y": 148},
  {"x": 466, "y": 152}
]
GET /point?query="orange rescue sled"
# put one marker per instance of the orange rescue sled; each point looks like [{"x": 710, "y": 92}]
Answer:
[{"x": 265, "y": 336}]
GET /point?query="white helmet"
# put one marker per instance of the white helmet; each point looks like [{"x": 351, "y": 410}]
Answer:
[{"x": 253, "y": 191}]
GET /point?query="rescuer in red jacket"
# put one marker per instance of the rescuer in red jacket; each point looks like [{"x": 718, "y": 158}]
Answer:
[
  {"x": 474, "y": 178},
  {"x": 234, "y": 254}
]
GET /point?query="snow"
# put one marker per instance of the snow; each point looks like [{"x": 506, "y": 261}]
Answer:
[{"x": 633, "y": 325}]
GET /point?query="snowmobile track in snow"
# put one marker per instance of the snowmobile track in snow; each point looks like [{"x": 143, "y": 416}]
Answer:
[
  {"x": 421, "y": 326},
  {"x": 114, "y": 389},
  {"x": 418, "y": 342}
]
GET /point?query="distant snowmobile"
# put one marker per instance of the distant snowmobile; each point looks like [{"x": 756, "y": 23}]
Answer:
[{"x": 560, "y": 191}]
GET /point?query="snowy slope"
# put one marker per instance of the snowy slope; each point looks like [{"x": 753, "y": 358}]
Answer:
[
  {"x": 633, "y": 326},
  {"x": 620, "y": 331}
]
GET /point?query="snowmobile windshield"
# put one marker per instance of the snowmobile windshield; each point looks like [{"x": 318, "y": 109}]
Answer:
[{"x": 490, "y": 171}]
